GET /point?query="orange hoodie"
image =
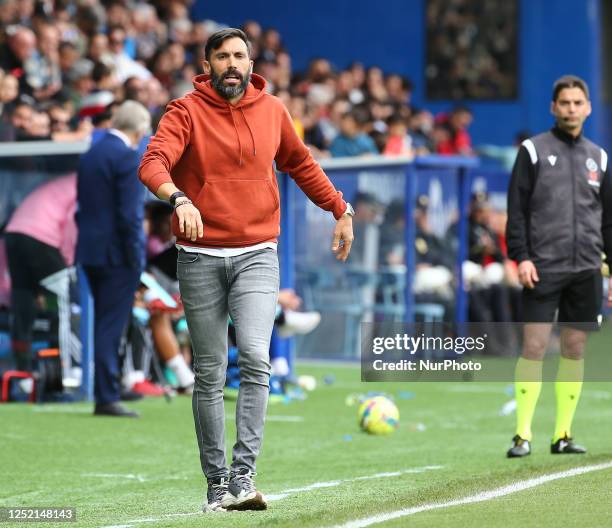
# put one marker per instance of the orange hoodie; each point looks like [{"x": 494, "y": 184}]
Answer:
[{"x": 221, "y": 156}]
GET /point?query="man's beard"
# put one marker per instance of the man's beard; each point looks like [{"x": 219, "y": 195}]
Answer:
[{"x": 229, "y": 92}]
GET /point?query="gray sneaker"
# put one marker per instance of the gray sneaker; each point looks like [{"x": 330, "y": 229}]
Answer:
[
  {"x": 217, "y": 490},
  {"x": 242, "y": 494}
]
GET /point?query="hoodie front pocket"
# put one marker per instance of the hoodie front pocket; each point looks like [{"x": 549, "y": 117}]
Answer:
[
  {"x": 238, "y": 210},
  {"x": 274, "y": 193}
]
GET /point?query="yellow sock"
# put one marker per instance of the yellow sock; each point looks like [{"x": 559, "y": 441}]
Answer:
[
  {"x": 527, "y": 387},
  {"x": 567, "y": 389}
]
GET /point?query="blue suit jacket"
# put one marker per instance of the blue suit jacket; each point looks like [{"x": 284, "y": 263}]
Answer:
[{"x": 110, "y": 208}]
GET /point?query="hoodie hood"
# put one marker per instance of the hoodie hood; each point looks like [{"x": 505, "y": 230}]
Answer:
[
  {"x": 255, "y": 90},
  {"x": 204, "y": 89}
]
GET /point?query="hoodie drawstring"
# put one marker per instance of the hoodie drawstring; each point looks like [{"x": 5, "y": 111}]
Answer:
[
  {"x": 237, "y": 134},
  {"x": 250, "y": 131}
]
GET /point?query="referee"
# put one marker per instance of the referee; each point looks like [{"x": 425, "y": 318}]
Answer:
[{"x": 559, "y": 222}]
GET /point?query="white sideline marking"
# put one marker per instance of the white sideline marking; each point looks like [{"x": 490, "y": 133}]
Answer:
[
  {"x": 131, "y": 476},
  {"x": 286, "y": 493},
  {"x": 168, "y": 516},
  {"x": 480, "y": 497},
  {"x": 128, "y": 476},
  {"x": 334, "y": 483}
]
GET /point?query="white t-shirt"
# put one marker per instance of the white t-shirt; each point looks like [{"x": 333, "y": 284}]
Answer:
[{"x": 227, "y": 252}]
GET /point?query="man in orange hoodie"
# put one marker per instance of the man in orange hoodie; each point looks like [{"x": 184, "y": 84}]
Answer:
[{"x": 212, "y": 157}]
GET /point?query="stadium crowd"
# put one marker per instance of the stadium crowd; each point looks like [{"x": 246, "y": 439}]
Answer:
[
  {"x": 64, "y": 65},
  {"x": 471, "y": 49}
]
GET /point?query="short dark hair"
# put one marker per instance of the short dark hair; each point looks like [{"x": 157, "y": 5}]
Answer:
[
  {"x": 215, "y": 41},
  {"x": 100, "y": 70},
  {"x": 395, "y": 119},
  {"x": 569, "y": 81},
  {"x": 66, "y": 44}
]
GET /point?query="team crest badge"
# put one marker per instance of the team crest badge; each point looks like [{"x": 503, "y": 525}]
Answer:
[{"x": 591, "y": 165}]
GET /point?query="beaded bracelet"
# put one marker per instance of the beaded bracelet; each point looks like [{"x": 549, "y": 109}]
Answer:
[{"x": 182, "y": 203}]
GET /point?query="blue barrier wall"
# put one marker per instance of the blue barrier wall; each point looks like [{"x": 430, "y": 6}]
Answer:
[{"x": 555, "y": 37}]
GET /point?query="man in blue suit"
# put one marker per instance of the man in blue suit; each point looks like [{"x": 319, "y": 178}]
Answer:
[{"x": 111, "y": 246}]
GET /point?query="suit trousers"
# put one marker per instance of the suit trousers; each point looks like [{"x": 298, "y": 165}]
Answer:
[{"x": 113, "y": 291}]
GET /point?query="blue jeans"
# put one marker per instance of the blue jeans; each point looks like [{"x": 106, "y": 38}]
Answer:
[{"x": 244, "y": 287}]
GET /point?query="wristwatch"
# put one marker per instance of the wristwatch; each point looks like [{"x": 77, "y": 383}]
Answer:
[
  {"x": 176, "y": 195},
  {"x": 349, "y": 210}
]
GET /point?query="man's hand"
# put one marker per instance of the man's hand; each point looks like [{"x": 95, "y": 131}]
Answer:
[
  {"x": 189, "y": 218},
  {"x": 343, "y": 233},
  {"x": 528, "y": 274}
]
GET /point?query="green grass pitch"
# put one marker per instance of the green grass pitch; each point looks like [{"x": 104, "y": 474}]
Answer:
[{"x": 450, "y": 444}]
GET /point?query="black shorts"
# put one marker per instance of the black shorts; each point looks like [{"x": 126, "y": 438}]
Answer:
[{"x": 577, "y": 296}]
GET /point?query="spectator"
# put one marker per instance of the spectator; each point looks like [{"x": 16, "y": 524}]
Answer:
[
  {"x": 392, "y": 246},
  {"x": 102, "y": 121},
  {"x": 104, "y": 78},
  {"x": 253, "y": 31},
  {"x": 399, "y": 89},
  {"x": 9, "y": 91},
  {"x": 81, "y": 82},
  {"x": 399, "y": 143},
  {"x": 125, "y": 66},
  {"x": 68, "y": 56},
  {"x": 94, "y": 103},
  {"x": 325, "y": 129},
  {"x": 421, "y": 127},
  {"x": 352, "y": 141},
  {"x": 365, "y": 222},
  {"x": 297, "y": 109},
  {"x": 435, "y": 260},
  {"x": 135, "y": 89},
  {"x": 98, "y": 50},
  {"x": 375, "y": 86},
  {"x": 43, "y": 74},
  {"x": 458, "y": 140},
  {"x": 60, "y": 118},
  {"x": 490, "y": 300},
  {"x": 20, "y": 120},
  {"x": 149, "y": 30},
  {"x": 20, "y": 46},
  {"x": 40, "y": 240}
]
